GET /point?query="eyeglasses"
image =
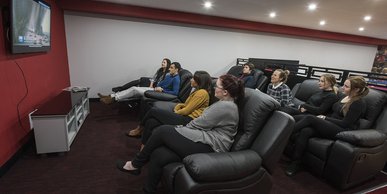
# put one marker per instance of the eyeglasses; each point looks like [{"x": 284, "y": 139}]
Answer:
[{"x": 218, "y": 87}]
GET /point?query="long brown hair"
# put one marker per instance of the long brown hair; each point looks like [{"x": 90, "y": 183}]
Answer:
[
  {"x": 329, "y": 78},
  {"x": 357, "y": 82}
]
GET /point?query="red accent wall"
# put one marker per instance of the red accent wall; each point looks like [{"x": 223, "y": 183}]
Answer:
[
  {"x": 46, "y": 75},
  {"x": 205, "y": 20}
]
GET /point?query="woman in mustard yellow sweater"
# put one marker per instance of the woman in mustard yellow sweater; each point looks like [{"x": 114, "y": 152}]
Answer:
[{"x": 183, "y": 113}]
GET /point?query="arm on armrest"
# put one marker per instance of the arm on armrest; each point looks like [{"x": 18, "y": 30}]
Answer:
[
  {"x": 222, "y": 166},
  {"x": 159, "y": 96},
  {"x": 364, "y": 138}
]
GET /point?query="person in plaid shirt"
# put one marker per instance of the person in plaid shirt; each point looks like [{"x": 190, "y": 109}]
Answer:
[{"x": 278, "y": 89}]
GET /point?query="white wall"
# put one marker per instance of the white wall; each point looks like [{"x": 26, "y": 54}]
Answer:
[{"x": 107, "y": 52}]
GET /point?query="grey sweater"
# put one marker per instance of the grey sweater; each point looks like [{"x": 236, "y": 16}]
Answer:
[{"x": 216, "y": 127}]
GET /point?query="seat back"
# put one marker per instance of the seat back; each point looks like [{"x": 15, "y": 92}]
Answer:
[
  {"x": 273, "y": 138},
  {"x": 262, "y": 83},
  {"x": 303, "y": 91},
  {"x": 185, "y": 84},
  {"x": 259, "y": 77},
  {"x": 375, "y": 102},
  {"x": 381, "y": 122},
  {"x": 235, "y": 70},
  {"x": 255, "y": 109}
]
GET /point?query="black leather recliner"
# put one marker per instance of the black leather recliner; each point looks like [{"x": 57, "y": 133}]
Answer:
[
  {"x": 262, "y": 135},
  {"x": 167, "y": 100},
  {"x": 260, "y": 79},
  {"x": 303, "y": 91},
  {"x": 354, "y": 156},
  {"x": 184, "y": 89}
]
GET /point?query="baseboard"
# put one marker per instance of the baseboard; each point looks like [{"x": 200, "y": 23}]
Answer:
[{"x": 4, "y": 169}]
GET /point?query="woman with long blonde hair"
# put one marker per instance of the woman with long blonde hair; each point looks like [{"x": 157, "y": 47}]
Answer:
[{"x": 346, "y": 114}]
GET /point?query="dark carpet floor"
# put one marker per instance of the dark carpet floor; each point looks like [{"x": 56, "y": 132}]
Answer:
[{"x": 89, "y": 167}]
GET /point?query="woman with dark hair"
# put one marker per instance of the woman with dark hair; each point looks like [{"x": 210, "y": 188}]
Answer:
[
  {"x": 319, "y": 103},
  {"x": 170, "y": 85},
  {"x": 144, "y": 82},
  {"x": 346, "y": 113},
  {"x": 213, "y": 131},
  {"x": 248, "y": 75},
  {"x": 278, "y": 89},
  {"x": 182, "y": 113}
]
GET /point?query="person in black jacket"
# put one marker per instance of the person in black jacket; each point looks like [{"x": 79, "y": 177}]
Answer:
[
  {"x": 247, "y": 75},
  {"x": 319, "y": 103},
  {"x": 346, "y": 113}
]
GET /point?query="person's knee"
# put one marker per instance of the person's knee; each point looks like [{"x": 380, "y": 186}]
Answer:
[
  {"x": 163, "y": 130},
  {"x": 307, "y": 132},
  {"x": 163, "y": 156}
]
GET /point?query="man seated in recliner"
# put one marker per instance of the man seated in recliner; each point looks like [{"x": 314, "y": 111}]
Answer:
[
  {"x": 248, "y": 75},
  {"x": 319, "y": 103},
  {"x": 169, "y": 85}
]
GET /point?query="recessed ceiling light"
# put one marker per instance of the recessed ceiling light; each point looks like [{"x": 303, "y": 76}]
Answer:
[
  {"x": 322, "y": 22},
  {"x": 367, "y": 18},
  {"x": 361, "y": 29},
  {"x": 207, "y": 4},
  {"x": 272, "y": 14},
  {"x": 312, "y": 6}
]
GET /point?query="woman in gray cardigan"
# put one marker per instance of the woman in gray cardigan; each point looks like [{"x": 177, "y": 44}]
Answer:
[{"x": 213, "y": 131}]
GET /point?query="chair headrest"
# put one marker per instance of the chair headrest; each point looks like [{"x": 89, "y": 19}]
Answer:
[
  {"x": 256, "y": 108},
  {"x": 306, "y": 89},
  {"x": 235, "y": 71},
  {"x": 185, "y": 84},
  {"x": 375, "y": 101}
]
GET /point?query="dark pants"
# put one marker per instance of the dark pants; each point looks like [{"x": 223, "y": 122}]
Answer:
[
  {"x": 164, "y": 147},
  {"x": 312, "y": 126},
  {"x": 156, "y": 117}
]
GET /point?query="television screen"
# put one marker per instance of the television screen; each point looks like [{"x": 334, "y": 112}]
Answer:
[{"x": 30, "y": 26}]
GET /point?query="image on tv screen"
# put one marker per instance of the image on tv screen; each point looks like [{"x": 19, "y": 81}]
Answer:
[{"x": 30, "y": 26}]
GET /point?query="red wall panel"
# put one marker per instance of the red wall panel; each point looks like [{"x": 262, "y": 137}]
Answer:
[{"x": 46, "y": 74}]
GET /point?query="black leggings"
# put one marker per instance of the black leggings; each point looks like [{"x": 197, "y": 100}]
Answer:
[
  {"x": 156, "y": 117},
  {"x": 164, "y": 147},
  {"x": 312, "y": 126}
]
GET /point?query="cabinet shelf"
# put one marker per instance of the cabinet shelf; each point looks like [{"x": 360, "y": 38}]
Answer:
[{"x": 58, "y": 121}]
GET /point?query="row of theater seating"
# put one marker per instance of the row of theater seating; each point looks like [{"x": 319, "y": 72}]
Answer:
[
  {"x": 354, "y": 156},
  {"x": 262, "y": 136},
  {"x": 185, "y": 87}
]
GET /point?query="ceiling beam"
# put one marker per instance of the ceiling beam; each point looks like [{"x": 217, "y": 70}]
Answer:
[{"x": 98, "y": 7}]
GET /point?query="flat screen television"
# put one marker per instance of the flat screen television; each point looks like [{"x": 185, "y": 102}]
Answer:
[{"x": 30, "y": 26}]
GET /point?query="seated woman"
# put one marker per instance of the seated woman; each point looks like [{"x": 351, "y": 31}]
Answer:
[
  {"x": 278, "y": 89},
  {"x": 319, "y": 103},
  {"x": 169, "y": 85},
  {"x": 143, "y": 82},
  {"x": 248, "y": 75},
  {"x": 183, "y": 113},
  {"x": 346, "y": 113},
  {"x": 213, "y": 131}
]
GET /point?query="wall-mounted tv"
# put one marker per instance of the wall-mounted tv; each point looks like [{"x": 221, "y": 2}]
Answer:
[{"x": 30, "y": 26}]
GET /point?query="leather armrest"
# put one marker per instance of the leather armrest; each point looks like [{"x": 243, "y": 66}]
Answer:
[
  {"x": 365, "y": 137},
  {"x": 159, "y": 95},
  {"x": 222, "y": 166}
]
